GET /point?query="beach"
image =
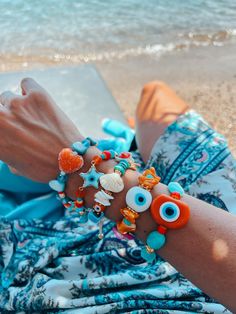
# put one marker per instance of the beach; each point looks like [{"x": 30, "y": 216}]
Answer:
[
  {"x": 132, "y": 43},
  {"x": 205, "y": 77}
]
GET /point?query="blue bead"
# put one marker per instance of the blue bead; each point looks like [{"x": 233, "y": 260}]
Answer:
[
  {"x": 83, "y": 219},
  {"x": 90, "y": 141},
  {"x": 175, "y": 187},
  {"x": 113, "y": 153},
  {"x": 149, "y": 257},
  {"x": 80, "y": 148},
  {"x": 94, "y": 218},
  {"x": 56, "y": 185},
  {"x": 156, "y": 240}
]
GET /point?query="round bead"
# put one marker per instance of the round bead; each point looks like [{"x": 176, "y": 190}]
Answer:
[
  {"x": 97, "y": 160},
  {"x": 156, "y": 240},
  {"x": 138, "y": 199},
  {"x": 175, "y": 187},
  {"x": 125, "y": 155},
  {"x": 107, "y": 154},
  {"x": 169, "y": 211},
  {"x": 149, "y": 257},
  {"x": 120, "y": 169}
]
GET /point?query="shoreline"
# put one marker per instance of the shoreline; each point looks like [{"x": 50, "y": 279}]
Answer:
[{"x": 205, "y": 77}]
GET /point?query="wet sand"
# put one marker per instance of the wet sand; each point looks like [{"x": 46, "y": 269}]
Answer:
[{"x": 204, "y": 77}]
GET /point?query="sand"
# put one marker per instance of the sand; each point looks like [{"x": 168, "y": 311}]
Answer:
[{"x": 204, "y": 77}]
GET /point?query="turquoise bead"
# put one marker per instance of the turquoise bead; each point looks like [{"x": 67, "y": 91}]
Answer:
[
  {"x": 149, "y": 257},
  {"x": 119, "y": 168},
  {"x": 80, "y": 148},
  {"x": 125, "y": 164},
  {"x": 156, "y": 240},
  {"x": 113, "y": 153},
  {"x": 175, "y": 187}
]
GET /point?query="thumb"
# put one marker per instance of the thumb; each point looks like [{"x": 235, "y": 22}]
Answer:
[{"x": 28, "y": 85}]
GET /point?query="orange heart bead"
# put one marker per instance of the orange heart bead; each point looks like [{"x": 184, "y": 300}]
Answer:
[{"x": 69, "y": 161}]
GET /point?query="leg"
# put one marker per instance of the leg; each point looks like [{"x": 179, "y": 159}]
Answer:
[{"x": 158, "y": 107}]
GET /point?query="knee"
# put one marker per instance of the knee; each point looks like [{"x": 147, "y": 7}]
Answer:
[{"x": 154, "y": 86}]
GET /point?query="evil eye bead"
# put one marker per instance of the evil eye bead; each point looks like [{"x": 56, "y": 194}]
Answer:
[
  {"x": 169, "y": 211},
  {"x": 138, "y": 199}
]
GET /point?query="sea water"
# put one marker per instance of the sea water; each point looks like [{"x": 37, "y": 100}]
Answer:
[{"x": 55, "y": 31}]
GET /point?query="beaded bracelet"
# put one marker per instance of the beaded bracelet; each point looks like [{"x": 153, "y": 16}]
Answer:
[
  {"x": 169, "y": 213},
  {"x": 70, "y": 160},
  {"x": 92, "y": 176},
  {"x": 111, "y": 183},
  {"x": 138, "y": 200}
]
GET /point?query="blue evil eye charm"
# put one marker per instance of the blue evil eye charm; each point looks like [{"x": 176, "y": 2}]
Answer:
[
  {"x": 176, "y": 187},
  {"x": 169, "y": 211},
  {"x": 138, "y": 199}
]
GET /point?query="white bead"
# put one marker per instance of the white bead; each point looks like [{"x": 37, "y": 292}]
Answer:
[
  {"x": 103, "y": 198},
  {"x": 112, "y": 182},
  {"x": 138, "y": 199}
]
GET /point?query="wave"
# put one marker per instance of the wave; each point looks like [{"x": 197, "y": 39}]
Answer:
[{"x": 182, "y": 42}]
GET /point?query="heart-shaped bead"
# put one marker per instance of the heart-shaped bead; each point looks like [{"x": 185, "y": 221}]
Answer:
[
  {"x": 69, "y": 161},
  {"x": 56, "y": 185}
]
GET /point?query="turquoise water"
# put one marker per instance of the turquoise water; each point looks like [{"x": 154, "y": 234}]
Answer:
[{"x": 57, "y": 30}]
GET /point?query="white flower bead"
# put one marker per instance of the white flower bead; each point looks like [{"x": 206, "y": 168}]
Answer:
[{"x": 138, "y": 199}]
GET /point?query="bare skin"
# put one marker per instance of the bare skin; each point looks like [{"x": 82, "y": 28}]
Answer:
[
  {"x": 158, "y": 107},
  {"x": 35, "y": 131}
]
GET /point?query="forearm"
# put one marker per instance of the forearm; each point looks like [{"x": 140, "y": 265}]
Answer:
[{"x": 204, "y": 250}]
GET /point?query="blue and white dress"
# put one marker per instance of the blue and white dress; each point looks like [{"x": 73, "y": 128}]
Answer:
[{"x": 51, "y": 263}]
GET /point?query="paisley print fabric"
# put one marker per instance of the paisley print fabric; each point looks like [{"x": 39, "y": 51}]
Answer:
[{"x": 57, "y": 265}]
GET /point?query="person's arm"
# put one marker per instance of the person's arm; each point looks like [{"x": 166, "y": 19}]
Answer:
[
  {"x": 204, "y": 251},
  {"x": 34, "y": 130}
]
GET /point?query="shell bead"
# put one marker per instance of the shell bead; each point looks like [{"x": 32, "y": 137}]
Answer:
[
  {"x": 112, "y": 182},
  {"x": 138, "y": 199}
]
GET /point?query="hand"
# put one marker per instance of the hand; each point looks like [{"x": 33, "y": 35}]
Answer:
[{"x": 33, "y": 131}]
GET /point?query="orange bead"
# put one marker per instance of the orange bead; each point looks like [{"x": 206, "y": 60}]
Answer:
[
  {"x": 69, "y": 162},
  {"x": 166, "y": 200},
  {"x": 149, "y": 179},
  {"x": 97, "y": 160}
]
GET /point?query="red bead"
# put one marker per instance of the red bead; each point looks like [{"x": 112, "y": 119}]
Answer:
[
  {"x": 80, "y": 193},
  {"x": 79, "y": 203},
  {"x": 125, "y": 155},
  {"x": 162, "y": 229},
  {"x": 107, "y": 154},
  {"x": 175, "y": 195}
]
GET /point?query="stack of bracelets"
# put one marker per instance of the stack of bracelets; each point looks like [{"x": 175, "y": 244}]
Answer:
[{"x": 168, "y": 211}]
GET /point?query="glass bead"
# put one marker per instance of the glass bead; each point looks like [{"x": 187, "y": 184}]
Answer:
[
  {"x": 156, "y": 240},
  {"x": 138, "y": 199},
  {"x": 149, "y": 257},
  {"x": 176, "y": 187},
  {"x": 169, "y": 211}
]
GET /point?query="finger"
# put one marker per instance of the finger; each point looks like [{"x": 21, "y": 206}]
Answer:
[
  {"x": 28, "y": 85},
  {"x": 7, "y": 97}
]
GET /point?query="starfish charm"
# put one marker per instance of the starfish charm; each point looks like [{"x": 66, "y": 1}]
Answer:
[{"x": 91, "y": 178}]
